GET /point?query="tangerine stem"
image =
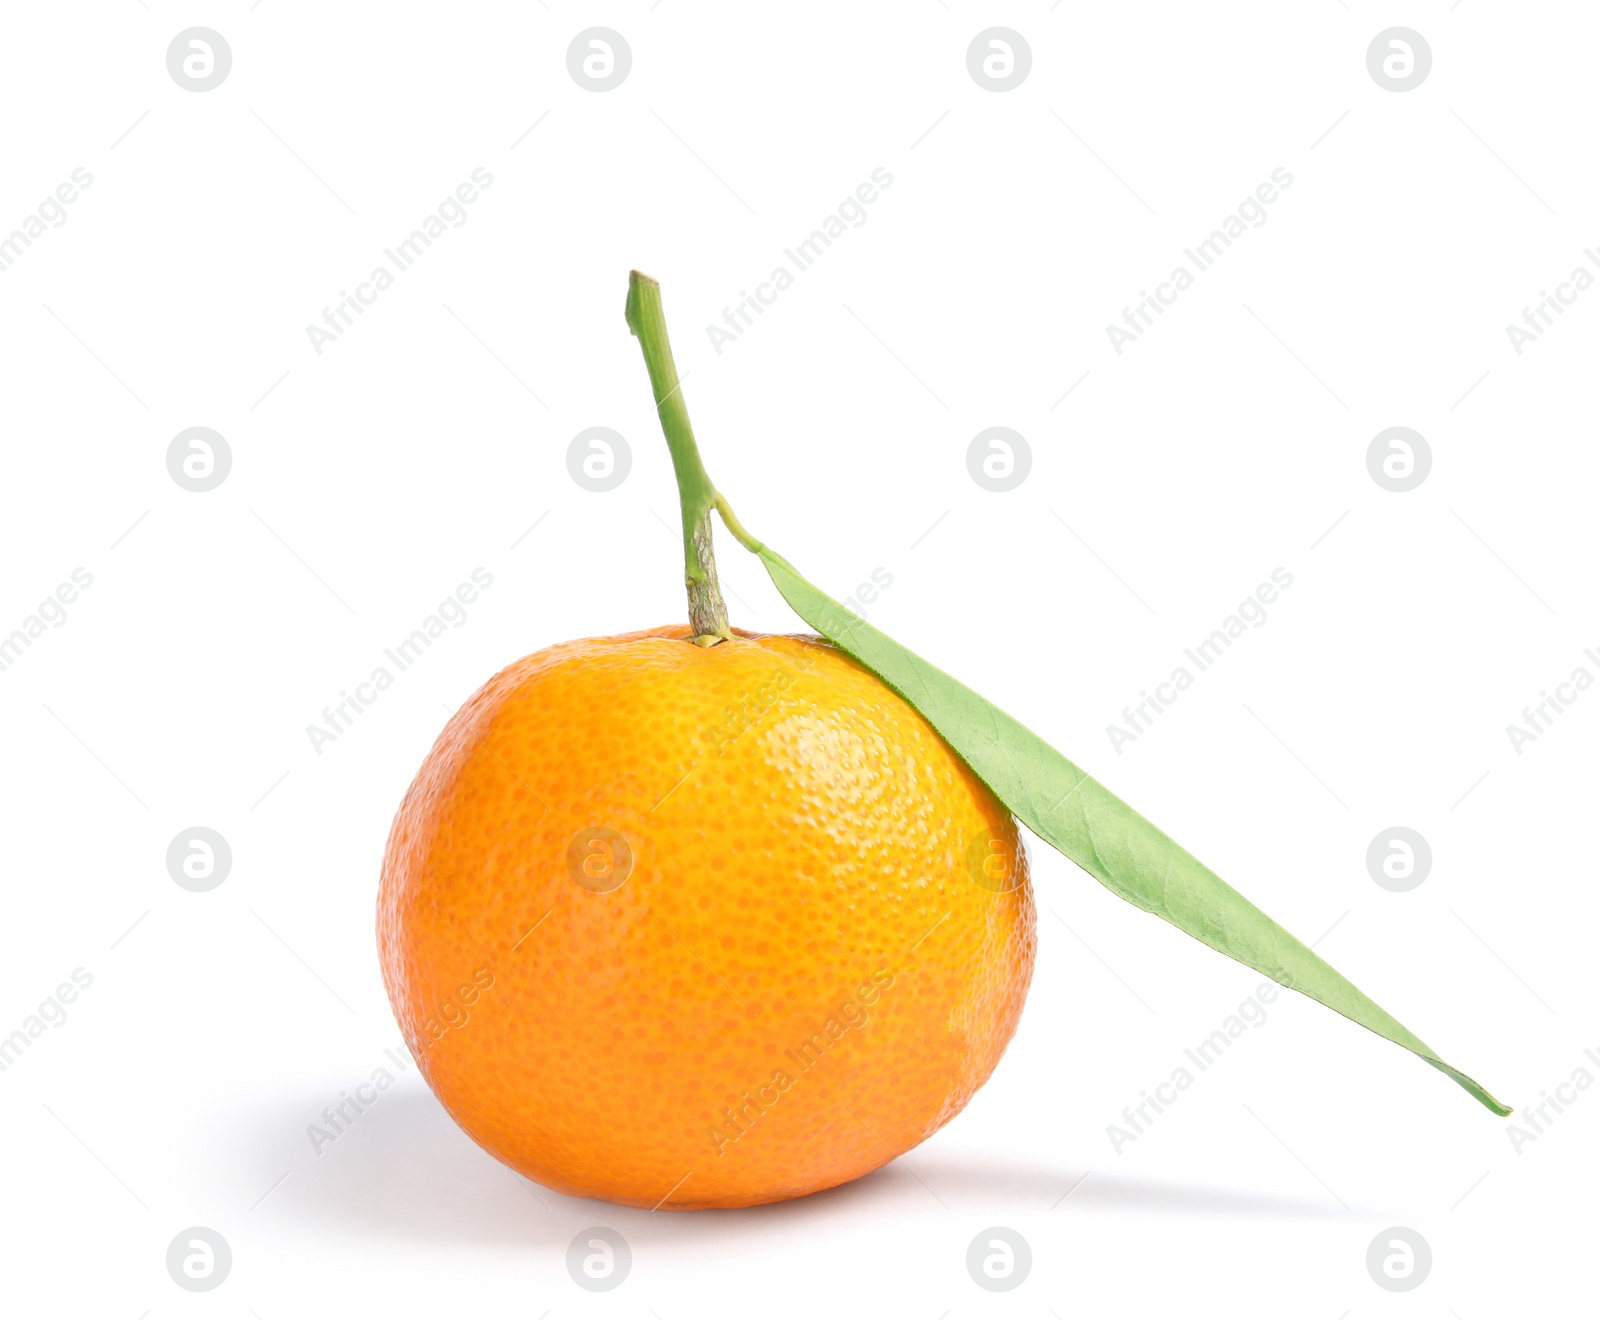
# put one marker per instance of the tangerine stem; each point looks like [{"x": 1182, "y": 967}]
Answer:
[
  {"x": 708, "y": 615},
  {"x": 737, "y": 528}
]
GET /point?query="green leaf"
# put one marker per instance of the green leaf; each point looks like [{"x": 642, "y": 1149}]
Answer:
[{"x": 1091, "y": 825}]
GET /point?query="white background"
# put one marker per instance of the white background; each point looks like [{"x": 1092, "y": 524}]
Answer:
[{"x": 369, "y": 480}]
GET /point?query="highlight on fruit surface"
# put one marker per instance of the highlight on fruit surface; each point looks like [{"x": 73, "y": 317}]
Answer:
[{"x": 1057, "y": 801}]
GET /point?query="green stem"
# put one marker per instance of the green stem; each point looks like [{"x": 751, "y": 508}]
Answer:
[
  {"x": 708, "y": 615},
  {"x": 737, "y": 528}
]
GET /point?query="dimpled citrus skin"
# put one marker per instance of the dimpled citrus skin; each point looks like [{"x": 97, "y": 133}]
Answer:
[{"x": 798, "y": 980}]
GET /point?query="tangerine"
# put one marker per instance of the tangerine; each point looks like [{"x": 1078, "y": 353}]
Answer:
[{"x": 690, "y": 926}]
